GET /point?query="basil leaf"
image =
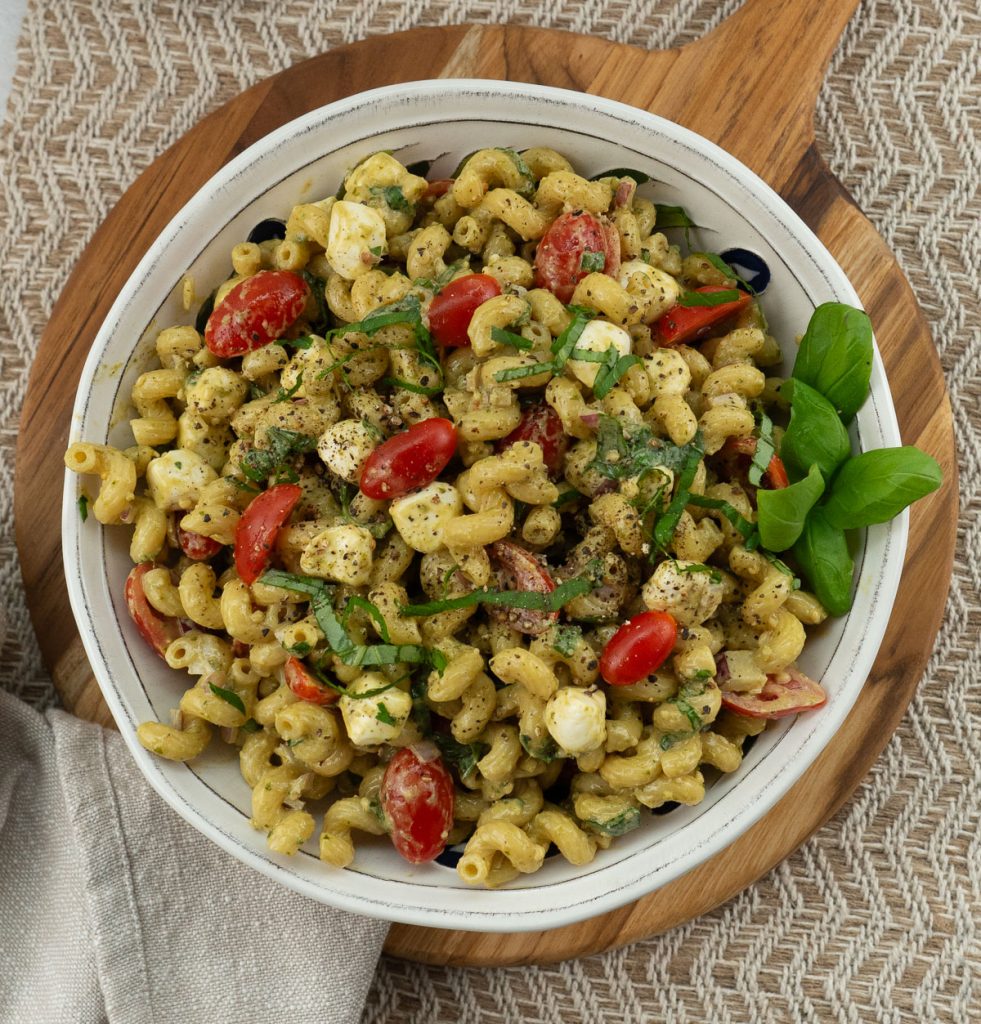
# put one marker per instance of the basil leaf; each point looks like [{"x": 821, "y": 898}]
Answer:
[
  {"x": 623, "y": 172},
  {"x": 408, "y": 385},
  {"x": 517, "y": 372},
  {"x": 566, "y": 640},
  {"x": 826, "y": 563},
  {"x": 384, "y": 715},
  {"x": 614, "y": 368},
  {"x": 420, "y": 168},
  {"x": 673, "y": 217},
  {"x": 626, "y": 451},
  {"x": 321, "y": 322},
  {"x": 835, "y": 356},
  {"x": 83, "y": 507},
  {"x": 564, "y": 344},
  {"x": 697, "y": 567},
  {"x": 875, "y": 486},
  {"x": 780, "y": 514},
  {"x": 394, "y": 197},
  {"x": 503, "y": 337},
  {"x": 305, "y": 342},
  {"x": 463, "y": 756},
  {"x": 204, "y": 313},
  {"x": 544, "y": 749},
  {"x": 591, "y": 261},
  {"x": 815, "y": 433},
  {"x": 691, "y": 299},
  {"x": 284, "y": 394},
  {"x": 566, "y": 496},
  {"x": 229, "y": 697},
  {"x": 626, "y": 821},
  {"x": 250, "y": 725},
  {"x": 765, "y": 449},
  {"x": 665, "y": 526},
  {"x": 738, "y": 520},
  {"x": 552, "y": 602}
]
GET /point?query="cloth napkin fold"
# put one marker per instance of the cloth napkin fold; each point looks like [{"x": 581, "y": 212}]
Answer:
[{"x": 114, "y": 908}]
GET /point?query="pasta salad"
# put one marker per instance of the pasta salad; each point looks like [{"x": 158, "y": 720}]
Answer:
[{"x": 480, "y": 515}]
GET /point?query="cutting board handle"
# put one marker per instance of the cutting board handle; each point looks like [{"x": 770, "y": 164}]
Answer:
[{"x": 763, "y": 103}]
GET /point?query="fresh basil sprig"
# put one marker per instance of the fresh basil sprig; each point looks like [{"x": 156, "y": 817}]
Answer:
[
  {"x": 835, "y": 356},
  {"x": 781, "y": 513},
  {"x": 876, "y": 486},
  {"x": 822, "y": 553},
  {"x": 815, "y": 434}
]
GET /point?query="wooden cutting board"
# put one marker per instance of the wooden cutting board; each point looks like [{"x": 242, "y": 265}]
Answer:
[{"x": 750, "y": 86}]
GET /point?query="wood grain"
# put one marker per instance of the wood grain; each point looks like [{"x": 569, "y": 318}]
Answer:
[{"x": 745, "y": 87}]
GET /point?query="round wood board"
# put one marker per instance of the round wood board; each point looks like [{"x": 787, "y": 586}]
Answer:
[{"x": 766, "y": 121}]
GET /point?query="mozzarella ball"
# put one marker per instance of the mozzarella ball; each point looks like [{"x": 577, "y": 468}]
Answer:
[
  {"x": 345, "y": 447},
  {"x": 356, "y": 238},
  {"x": 576, "y": 719},
  {"x": 420, "y": 516},
  {"x": 176, "y": 479},
  {"x": 360, "y": 715},
  {"x": 598, "y": 336},
  {"x": 341, "y": 553},
  {"x": 691, "y": 597}
]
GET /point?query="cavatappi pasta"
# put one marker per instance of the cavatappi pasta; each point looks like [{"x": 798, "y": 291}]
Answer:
[{"x": 581, "y": 419}]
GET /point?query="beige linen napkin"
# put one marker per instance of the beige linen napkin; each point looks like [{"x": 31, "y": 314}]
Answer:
[{"x": 112, "y": 907}]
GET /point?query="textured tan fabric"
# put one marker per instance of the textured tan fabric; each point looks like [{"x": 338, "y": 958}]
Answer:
[{"x": 875, "y": 918}]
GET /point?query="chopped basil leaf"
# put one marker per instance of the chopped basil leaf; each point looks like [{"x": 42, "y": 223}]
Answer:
[
  {"x": 83, "y": 507},
  {"x": 665, "y": 526},
  {"x": 384, "y": 715},
  {"x": 305, "y": 342},
  {"x": 740, "y": 522},
  {"x": 552, "y": 602},
  {"x": 250, "y": 725},
  {"x": 517, "y": 372},
  {"x": 567, "y": 640},
  {"x": 624, "y": 451},
  {"x": 714, "y": 575},
  {"x": 260, "y": 464},
  {"x": 566, "y": 496},
  {"x": 723, "y": 268},
  {"x": 438, "y": 660},
  {"x": 503, "y": 337},
  {"x": 394, "y": 197},
  {"x": 689, "y": 712},
  {"x": 781, "y": 567},
  {"x": 321, "y": 321},
  {"x": 564, "y": 344},
  {"x": 591, "y": 261},
  {"x": 300, "y": 650},
  {"x": 416, "y": 389},
  {"x": 229, "y": 697},
  {"x": 284, "y": 395},
  {"x": 703, "y": 673},
  {"x": 613, "y": 368},
  {"x": 690, "y": 298},
  {"x": 623, "y": 172},
  {"x": 626, "y": 821},
  {"x": 544, "y": 749},
  {"x": 674, "y": 217},
  {"x": 765, "y": 450},
  {"x": 463, "y": 756}
]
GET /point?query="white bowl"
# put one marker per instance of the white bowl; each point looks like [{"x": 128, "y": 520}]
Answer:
[{"x": 306, "y": 159}]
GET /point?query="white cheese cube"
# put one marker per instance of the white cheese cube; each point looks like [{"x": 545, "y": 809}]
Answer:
[
  {"x": 420, "y": 517},
  {"x": 356, "y": 237},
  {"x": 361, "y": 715},
  {"x": 598, "y": 336},
  {"x": 656, "y": 289},
  {"x": 576, "y": 719},
  {"x": 691, "y": 597},
  {"x": 176, "y": 479},
  {"x": 345, "y": 447},
  {"x": 341, "y": 553}
]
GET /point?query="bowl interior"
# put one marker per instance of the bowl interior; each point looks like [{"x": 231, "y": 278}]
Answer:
[{"x": 305, "y": 161}]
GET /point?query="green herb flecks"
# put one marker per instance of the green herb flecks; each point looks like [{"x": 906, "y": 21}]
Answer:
[
  {"x": 229, "y": 697},
  {"x": 765, "y": 450},
  {"x": 83, "y": 507},
  {"x": 503, "y": 337},
  {"x": 690, "y": 299},
  {"x": 384, "y": 715},
  {"x": 261, "y": 464},
  {"x": 592, "y": 262},
  {"x": 566, "y": 640},
  {"x": 393, "y": 196}
]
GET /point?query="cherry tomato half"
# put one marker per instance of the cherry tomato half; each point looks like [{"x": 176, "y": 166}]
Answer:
[
  {"x": 452, "y": 310},
  {"x": 258, "y": 528},
  {"x": 692, "y": 323},
  {"x": 158, "y": 630},
  {"x": 542, "y": 425},
  {"x": 255, "y": 312},
  {"x": 518, "y": 569},
  {"x": 410, "y": 460},
  {"x": 196, "y": 546},
  {"x": 638, "y": 648},
  {"x": 784, "y": 693},
  {"x": 559, "y": 259},
  {"x": 305, "y": 685},
  {"x": 417, "y": 798}
]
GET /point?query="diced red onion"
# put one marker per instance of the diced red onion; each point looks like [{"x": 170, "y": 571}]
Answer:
[{"x": 425, "y": 751}]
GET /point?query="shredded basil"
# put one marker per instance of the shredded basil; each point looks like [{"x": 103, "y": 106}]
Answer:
[
  {"x": 384, "y": 715},
  {"x": 592, "y": 262},
  {"x": 714, "y": 575},
  {"x": 624, "y": 451},
  {"x": 284, "y": 395},
  {"x": 504, "y": 337},
  {"x": 305, "y": 342},
  {"x": 674, "y": 217},
  {"x": 566, "y": 496},
  {"x": 250, "y": 725},
  {"x": 552, "y": 602},
  {"x": 765, "y": 450},
  {"x": 724, "y": 268},
  {"x": 394, "y": 197},
  {"x": 626, "y": 821},
  {"x": 740, "y": 522},
  {"x": 83, "y": 507},
  {"x": 229, "y": 697},
  {"x": 463, "y": 756},
  {"x": 690, "y": 299},
  {"x": 665, "y": 526},
  {"x": 300, "y": 650},
  {"x": 260, "y": 464},
  {"x": 517, "y": 372}
]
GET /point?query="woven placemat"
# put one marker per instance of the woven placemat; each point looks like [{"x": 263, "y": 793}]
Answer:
[{"x": 875, "y": 918}]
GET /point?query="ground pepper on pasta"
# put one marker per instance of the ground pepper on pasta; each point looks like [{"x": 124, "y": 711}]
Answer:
[{"x": 447, "y": 501}]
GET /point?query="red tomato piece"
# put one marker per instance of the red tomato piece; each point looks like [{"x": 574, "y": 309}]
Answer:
[
  {"x": 638, "y": 648},
  {"x": 683, "y": 324},
  {"x": 417, "y": 798},
  {"x": 409, "y": 460},
  {"x": 305, "y": 685},
  {"x": 196, "y": 546},
  {"x": 255, "y": 312},
  {"x": 540, "y": 424},
  {"x": 438, "y": 188},
  {"x": 259, "y": 526},
  {"x": 784, "y": 693},
  {"x": 776, "y": 473},
  {"x": 158, "y": 630},
  {"x": 452, "y": 310},
  {"x": 558, "y": 261},
  {"x": 518, "y": 569}
]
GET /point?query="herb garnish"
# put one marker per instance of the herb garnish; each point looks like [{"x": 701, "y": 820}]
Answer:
[
  {"x": 591, "y": 261},
  {"x": 765, "y": 450},
  {"x": 83, "y": 507},
  {"x": 567, "y": 640},
  {"x": 229, "y": 697},
  {"x": 384, "y": 715},
  {"x": 394, "y": 197},
  {"x": 261, "y": 464}
]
